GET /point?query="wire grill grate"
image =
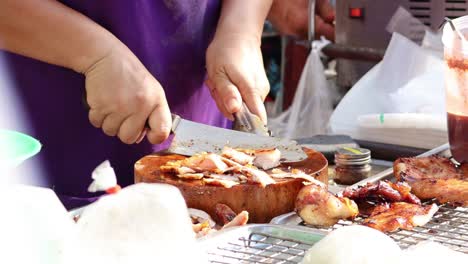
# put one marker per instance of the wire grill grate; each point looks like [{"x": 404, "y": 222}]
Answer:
[
  {"x": 449, "y": 226},
  {"x": 260, "y": 248}
]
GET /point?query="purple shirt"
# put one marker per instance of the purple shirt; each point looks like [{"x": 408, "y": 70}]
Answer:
[{"x": 169, "y": 37}]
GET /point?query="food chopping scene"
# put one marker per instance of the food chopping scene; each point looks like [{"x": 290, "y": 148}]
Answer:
[{"x": 234, "y": 131}]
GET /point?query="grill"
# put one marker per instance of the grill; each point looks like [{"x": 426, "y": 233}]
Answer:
[
  {"x": 260, "y": 248},
  {"x": 449, "y": 227},
  {"x": 283, "y": 243}
]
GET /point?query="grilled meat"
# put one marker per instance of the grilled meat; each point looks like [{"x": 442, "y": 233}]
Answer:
[
  {"x": 391, "y": 217},
  {"x": 237, "y": 156},
  {"x": 267, "y": 159},
  {"x": 434, "y": 177},
  {"x": 317, "y": 206},
  {"x": 239, "y": 220},
  {"x": 229, "y": 218},
  {"x": 224, "y": 213},
  {"x": 382, "y": 191}
]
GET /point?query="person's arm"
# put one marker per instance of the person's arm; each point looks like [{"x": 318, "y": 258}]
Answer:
[
  {"x": 291, "y": 17},
  {"x": 121, "y": 93},
  {"x": 234, "y": 60}
]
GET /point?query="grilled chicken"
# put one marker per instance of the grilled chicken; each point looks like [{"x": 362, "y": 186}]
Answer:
[
  {"x": 316, "y": 206},
  {"x": 434, "y": 177},
  {"x": 390, "y": 218},
  {"x": 382, "y": 191},
  {"x": 229, "y": 218}
]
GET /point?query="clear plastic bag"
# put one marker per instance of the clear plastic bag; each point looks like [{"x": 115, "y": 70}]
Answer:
[{"x": 312, "y": 105}]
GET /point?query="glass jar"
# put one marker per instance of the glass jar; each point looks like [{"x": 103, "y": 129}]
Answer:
[{"x": 352, "y": 165}]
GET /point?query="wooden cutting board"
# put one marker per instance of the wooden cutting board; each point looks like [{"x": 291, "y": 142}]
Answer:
[{"x": 262, "y": 203}]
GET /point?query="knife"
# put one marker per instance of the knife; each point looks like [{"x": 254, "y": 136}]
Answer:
[{"x": 192, "y": 138}]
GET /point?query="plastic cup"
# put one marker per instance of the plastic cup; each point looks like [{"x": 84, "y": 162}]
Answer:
[
  {"x": 15, "y": 148},
  {"x": 456, "y": 87}
]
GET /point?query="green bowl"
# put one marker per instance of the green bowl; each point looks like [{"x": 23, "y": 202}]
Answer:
[{"x": 16, "y": 147}]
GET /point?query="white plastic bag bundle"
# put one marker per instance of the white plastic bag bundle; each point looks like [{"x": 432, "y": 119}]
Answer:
[
  {"x": 400, "y": 101},
  {"x": 312, "y": 105}
]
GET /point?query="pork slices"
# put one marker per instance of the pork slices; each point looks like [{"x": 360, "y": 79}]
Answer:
[
  {"x": 390, "y": 218},
  {"x": 434, "y": 177}
]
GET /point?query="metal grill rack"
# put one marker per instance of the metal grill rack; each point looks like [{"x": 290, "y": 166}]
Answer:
[
  {"x": 260, "y": 248},
  {"x": 449, "y": 227}
]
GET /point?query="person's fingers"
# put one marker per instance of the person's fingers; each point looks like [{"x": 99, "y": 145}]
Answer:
[
  {"x": 131, "y": 128},
  {"x": 253, "y": 89},
  {"x": 325, "y": 10},
  {"x": 217, "y": 99},
  {"x": 324, "y": 29},
  {"x": 112, "y": 123},
  {"x": 96, "y": 117},
  {"x": 227, "y": 93},
  {"x": 160, "y": 121}
]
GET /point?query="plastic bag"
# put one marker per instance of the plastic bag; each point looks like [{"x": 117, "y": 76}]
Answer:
[
  {"x": 312, "y": 105},
  {"x": 408, "y": 88}
]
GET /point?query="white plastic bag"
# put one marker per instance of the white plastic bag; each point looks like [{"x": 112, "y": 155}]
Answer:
[
  {"x": 408, "y": 84},
  {"x": 312, "y": 105}
]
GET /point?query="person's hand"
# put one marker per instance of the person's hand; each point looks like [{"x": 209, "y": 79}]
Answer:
[
  {"x": 290, "y": 17},
  {"x": 123, "y": 95},
  {"x": 235, "y": 73}
]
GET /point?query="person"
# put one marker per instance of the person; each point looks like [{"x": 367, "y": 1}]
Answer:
[{"x": 131, "y": 60}]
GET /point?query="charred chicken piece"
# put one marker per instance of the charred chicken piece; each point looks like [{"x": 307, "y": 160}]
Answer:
[
  {"x": 391, "y": 217},
  {"x": 224, "y": 213},
  {"x": 434, "y": 177},
  {"x": 382, "y": 191},
  {"x": 317, "y": 206},
  {"x": 229, "y": 218}
]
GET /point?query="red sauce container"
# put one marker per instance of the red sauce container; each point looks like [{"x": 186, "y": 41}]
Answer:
[{"x": 456, "y": 86}]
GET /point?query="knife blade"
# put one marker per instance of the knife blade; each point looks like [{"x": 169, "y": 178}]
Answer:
[{"x": 192, "y": 138}]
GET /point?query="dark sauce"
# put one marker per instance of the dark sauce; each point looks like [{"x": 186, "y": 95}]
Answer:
[{"x": 458, "y": 136}]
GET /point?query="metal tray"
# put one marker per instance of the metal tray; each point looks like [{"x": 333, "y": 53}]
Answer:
[
  {"x": 449, "y": 226},
  {"x": 260, "y": 243}
]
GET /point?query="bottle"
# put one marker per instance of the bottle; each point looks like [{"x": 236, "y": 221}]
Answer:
[{"x": 352, "y": 165}]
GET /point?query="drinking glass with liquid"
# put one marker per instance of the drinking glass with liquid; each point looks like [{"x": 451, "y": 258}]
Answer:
[{"x": 456, "y": 87}]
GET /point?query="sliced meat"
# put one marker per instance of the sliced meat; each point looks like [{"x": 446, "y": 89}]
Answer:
[
  {"x": 221, "y": 180},
  {"x": 203, "y": 162},
  {"x": 256, "y": 176},
  {"x": 224, "y": 213},
  {"x": 239, "y": 220},
  {"x": 294, "y": 174},
  {"x": 237, "y": 156},
  {"x": 191, "y": 176},
  {"x": 382, "y": 191},
  {"x": 390, "y": 218},
  {"x": 267, "y": 159},
  {"x": 317, "y": 206},
  {"x": 212, "y": 163},
  {"x": 434, "y": 177}
]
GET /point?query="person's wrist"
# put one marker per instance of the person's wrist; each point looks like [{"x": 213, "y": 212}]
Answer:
[{"x": 100, "y": 48}]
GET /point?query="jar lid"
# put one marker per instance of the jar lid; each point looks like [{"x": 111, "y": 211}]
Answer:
[
  {"x": 352, "y": 153},
  {"x": 352, "y": 156}
]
